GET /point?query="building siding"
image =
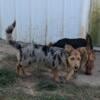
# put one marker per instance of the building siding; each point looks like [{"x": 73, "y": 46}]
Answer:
[{"x": 44, "y": 21}]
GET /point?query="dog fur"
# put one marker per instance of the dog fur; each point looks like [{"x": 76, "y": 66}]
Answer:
[
  {"x": 86, "y": 62},
  {"x": 90, "y": 62},
  {"x": 9, "y": 31},
  {"x": 67, "y": 59},
  {"x": 75, "y": 43}
]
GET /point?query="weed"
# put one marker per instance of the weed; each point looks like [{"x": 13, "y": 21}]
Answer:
[{"x": 7, "y": 77}]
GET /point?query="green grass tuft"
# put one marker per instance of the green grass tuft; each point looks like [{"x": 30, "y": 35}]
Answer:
[
  {"x": 46, "y": 85},
  {"x": 7, "y": 77}
]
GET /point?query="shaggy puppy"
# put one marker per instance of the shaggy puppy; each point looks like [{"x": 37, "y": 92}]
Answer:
[
  {"x": 86, "y": 62},
  {"x": 57, "y": 58},
  {"x": 67, "y": 59}
]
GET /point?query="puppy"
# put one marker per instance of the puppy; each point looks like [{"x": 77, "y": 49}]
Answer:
[
  {"x": 90, "y": 62},
  {"x": 67, "y": 59},
  {"x": 86, "y": 62},
  {"x": 75, "y": 43},
  {"x": 57, "y": 58},
  {"x": 74, "y": 60}
]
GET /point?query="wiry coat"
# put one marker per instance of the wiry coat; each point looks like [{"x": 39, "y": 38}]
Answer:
[
  {"x": 55, "y": 57},
  {"x": 87, "y": 44}
]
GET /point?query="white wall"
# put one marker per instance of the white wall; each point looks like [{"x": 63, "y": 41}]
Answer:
[{"x": 44, "y": 20}]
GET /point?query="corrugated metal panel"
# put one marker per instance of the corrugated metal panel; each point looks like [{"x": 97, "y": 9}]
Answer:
[
  {"x": 38, "y": 20},
  {"x": 22, "y": 19},
  {"x": 54, "y": 20},
  {"x": 72, "y": 17},
  {"x": 85, "y": 18},
  {"x": 7, "y": 14},
  {"x": 43, "y": 20}
]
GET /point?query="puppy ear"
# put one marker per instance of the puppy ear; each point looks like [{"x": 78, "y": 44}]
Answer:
[
  {"x": 50, "y": 44},
  {"x": 82, "y": 50},
  {"x": 93, "y": 54},
  {"x": 68, "y": 48}
]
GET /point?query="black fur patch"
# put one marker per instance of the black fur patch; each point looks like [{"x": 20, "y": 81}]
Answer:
[
  {"x": 53, "y": 63},
  {"x": 54, "y": 58},
  {"x": 59, "y": 59},
  {"x": 15, "y": 44},
  {"x": 29, "y": 62},
  {"x": 24, "y": 57},
  {"x": 76, "y": 43},
  {"x": 45, "y": 50},
  {"x": 52, "y": 52},
  {"x": 14, "y": 23},
  {"x": 33, "y": 54},
  {"x": 20, "y": 54},
  {"x": 61, "y": 54},
  {"x": 36, "y": 46},
  {"x": 30, "y": 55},
  {"x": 10, "y": 28},
  {"x": 9, "y": 31}
]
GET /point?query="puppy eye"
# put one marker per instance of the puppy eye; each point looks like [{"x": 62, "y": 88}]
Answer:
[
  {"x": 78, "y": 58},
  {"x": 73, "y": 58}
]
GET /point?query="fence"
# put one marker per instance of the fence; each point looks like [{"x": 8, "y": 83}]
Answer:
[{"x": 44, "y": 21}]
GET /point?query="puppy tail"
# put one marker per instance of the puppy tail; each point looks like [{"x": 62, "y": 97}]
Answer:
[
  {"x": 50, "y": 44},
  {"x": 9, "y": 38},
  {"x": 9, "y": 31},
  {"x": 89, "y": 41},
  {"x": 11, "y": 27},
  {"x": 15, "y": 44}
]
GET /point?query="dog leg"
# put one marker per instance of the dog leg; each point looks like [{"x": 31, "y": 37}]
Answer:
[
  {"x": 89, "y": 68},
  {"x": 20, "y": 69},
  {"x": 55, "y": 75},
  {"x": 69, "y": 75}
]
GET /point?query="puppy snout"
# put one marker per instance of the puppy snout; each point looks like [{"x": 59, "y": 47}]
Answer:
[{"x": 76, "y": 67}]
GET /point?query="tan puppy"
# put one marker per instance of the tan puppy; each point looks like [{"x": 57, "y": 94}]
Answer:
[
  {"x": 88, "y": 58},
  {"x": 90, "y": 62},
  {"x": 73, "y": 61}
]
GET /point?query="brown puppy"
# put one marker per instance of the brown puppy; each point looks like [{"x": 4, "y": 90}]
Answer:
[
  {"x": 74, "y": 60},
  {"x": 87, "y": 61},
  {"x": 88, "y": 58},
  {"x": 90, "y": 62}
]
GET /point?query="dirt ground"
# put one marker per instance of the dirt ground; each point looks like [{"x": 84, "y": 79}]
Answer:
[{"x": 93, "y": 80}]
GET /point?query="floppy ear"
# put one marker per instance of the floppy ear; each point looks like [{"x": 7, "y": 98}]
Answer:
[
  {"x": 50, "y": 44},
  {"x": 82, "y": 50},
  {"x": 68, "y": 48}
]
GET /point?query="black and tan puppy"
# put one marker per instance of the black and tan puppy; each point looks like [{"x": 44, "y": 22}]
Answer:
[{"x": 75, "y": 43}]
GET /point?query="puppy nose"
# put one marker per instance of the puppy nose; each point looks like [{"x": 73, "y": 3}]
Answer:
[{"x": 76, "y": 67}]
